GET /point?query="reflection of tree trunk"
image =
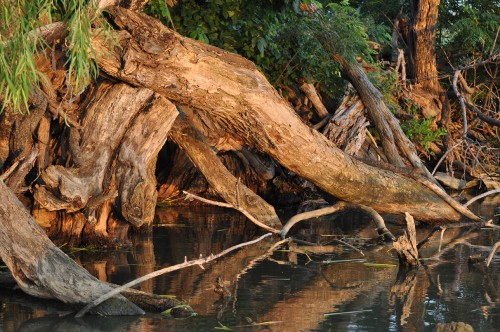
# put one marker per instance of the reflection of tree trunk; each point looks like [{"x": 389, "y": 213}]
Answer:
[
  {"x": 408, "y": 295},
  {"x": 43, "y": 270},
  {"x": 230, "y": 90},
  {"x": 305, "y": 310},
  {"x": 144, "y": 256}
]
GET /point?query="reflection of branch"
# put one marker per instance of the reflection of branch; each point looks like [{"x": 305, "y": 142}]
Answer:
[
  {"x": 231, "y": 206},
  {"x": 199, "y": 262},
  {"x": 340, "y": 206},
  {"x": 473, "y": 225}
]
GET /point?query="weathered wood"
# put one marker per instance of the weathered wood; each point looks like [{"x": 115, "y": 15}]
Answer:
[
  {"x": 313, "y": 96},
  {"x": 43, "y": 270},
  {"x": 217, "y": 175},
  {"x": 406, "y": 245},
  {"x": 230, "y": 90},
  {"x": 347, "y": 128},
  {"x": 106, "y": 121},
  {"x": 136, "y": 162},
  {"x": 115, "y": 151}
]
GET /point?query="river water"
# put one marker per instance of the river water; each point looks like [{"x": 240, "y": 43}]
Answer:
[{"x": 295, "y": 288}]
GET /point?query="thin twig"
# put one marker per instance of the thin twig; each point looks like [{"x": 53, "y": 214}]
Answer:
[
  {"x": 444, "y": 156},
  {"x": 148, "y": 276},
  {"x": 9, "y": 171}
]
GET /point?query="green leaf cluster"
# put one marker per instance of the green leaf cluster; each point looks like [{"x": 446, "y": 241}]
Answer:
[
  {"x": 421, "y": 130},
  {"x": 468, "y": 27}
]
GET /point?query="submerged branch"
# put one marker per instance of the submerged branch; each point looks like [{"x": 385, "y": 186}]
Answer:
[{"x": 148, "y": 276}]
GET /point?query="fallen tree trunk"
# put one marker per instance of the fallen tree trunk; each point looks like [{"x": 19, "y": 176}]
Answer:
[
  {"x": 43, "y": 270},
  {"x": 231, "y": 91}
]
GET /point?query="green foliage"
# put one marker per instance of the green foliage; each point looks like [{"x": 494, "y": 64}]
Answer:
[
  {"x": 385, "y": 82},
  {"x": 343, "y": 26},
  {"x": 421, "y": 130},
  {"x": 19, "y": 44},
  {"x": 469, "y": 26},
  {"x": 18, "y": 71},
  {"x": 160, "y": 10}
]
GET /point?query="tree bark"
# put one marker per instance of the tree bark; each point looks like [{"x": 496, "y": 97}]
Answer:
[
  {"x": 230, "y": 90},
  {"x": 422, "y": 37},
  {"x": 114, "y": 155}
]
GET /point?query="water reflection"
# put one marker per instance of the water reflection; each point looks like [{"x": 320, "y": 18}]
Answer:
[{"x": 294, "y": 289}]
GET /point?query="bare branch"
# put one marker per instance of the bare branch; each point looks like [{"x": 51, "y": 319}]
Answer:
[
  {"x": 340, "y": 206},
  {"x": 491, "y": 192}
]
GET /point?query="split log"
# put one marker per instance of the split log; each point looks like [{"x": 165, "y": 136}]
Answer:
[
  {"x": 347, "y": 128},
  {"x": 231, "y": 91}
]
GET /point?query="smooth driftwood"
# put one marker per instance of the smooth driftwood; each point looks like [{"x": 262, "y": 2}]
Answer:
[
  {"x": 231, "y": 90},
  {"x": 217, "y": 175},
  {"x": 43, "y": 270}
]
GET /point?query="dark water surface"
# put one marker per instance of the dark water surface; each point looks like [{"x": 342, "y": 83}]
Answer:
[{"x": 297, "y": 288}]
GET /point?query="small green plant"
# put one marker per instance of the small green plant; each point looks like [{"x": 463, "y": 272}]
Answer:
[{"x": 421, "y": 132}]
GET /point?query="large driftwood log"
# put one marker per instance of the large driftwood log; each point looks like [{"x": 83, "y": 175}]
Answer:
[
  {"x": 43, "y": 270},
  {"x": 230, "y": 90}
]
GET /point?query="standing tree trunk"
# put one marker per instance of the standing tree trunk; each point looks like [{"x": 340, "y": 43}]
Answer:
[{"x": 422, "y": 35}]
